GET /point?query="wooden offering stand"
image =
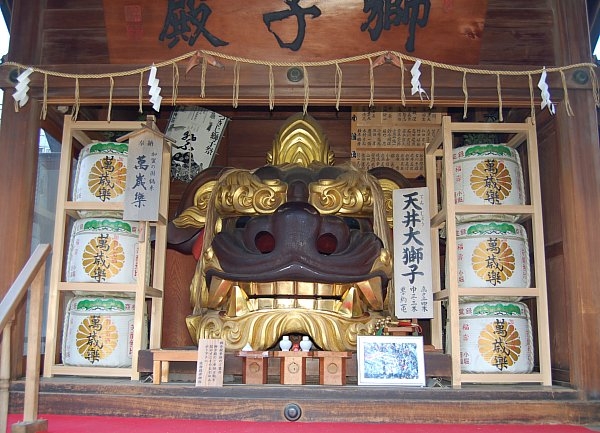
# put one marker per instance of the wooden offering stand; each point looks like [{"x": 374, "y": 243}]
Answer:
[
  {"x": 255, "y": 366},
  {"x": 332, "y": 367},
  {"x": 292, "y": 370}
]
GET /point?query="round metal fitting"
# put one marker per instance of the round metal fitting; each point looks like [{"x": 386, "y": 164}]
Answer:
[
  {"x": 295, "y": 74},
  {"x": 13, "y": 75},
  {"x": 581, "y": 76},
  {"x": 292, "y": 412}
]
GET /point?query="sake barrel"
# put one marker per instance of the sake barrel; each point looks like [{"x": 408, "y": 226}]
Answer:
[
  {"x": 101, "y": 173},
  {"x": 495, "y": 337},
  {"x": 98, "y": 331},
  {"x": 103, "y": 250},
  {"x": 492, "y": 254},
  {"x": 487, "y": 174}
]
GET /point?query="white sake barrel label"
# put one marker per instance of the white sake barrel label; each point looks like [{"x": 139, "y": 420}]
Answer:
[
  {"x": 495, "y": 337},
  {"x": 101, "y": 173}
]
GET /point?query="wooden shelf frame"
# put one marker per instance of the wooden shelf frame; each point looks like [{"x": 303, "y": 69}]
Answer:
[
  {"x": 149, "y": 285},
  {"x": 444, "y": 211}
]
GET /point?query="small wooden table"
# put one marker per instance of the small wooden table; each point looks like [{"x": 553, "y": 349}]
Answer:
[
  {"x": 332, "y": 367},
  {"x": 161, "y": 359},
  {"x": 255, "y": 366}
]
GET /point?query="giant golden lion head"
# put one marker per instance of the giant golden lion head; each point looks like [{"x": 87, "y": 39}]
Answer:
[{"x": 298, "y": 246}]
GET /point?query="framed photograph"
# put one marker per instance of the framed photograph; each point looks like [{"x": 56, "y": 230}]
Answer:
[{"x": 390, "y": 360}]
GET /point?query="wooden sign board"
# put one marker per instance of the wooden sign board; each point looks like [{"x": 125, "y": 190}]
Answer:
[
  {"x": 413, "y": 287},
  {"x": 447, "y": 31},
  {"x": 211, "y": 362},
  {"x": 390, "y": 137},
  {"x": 144, "y": 166}
]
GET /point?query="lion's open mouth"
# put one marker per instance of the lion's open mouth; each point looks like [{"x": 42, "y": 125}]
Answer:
[{"x": 346, "y": 299}]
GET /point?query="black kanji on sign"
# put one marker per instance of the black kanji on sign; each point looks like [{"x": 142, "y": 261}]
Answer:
[
  {"x": 299, "y": 13},
  {"x": 383, "y": 14},
  {"x": 186, "y": 21}
]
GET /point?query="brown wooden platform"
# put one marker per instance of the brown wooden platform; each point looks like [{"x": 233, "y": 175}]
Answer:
[
  {"x": 179, "y": 398},
  {"x": 350, "y": 403}
]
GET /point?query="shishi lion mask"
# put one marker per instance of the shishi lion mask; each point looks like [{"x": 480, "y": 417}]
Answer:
[{"x": 289, "y": 248}]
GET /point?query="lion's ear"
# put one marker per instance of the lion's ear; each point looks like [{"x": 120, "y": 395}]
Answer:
[{"x": 389, "y": 180}]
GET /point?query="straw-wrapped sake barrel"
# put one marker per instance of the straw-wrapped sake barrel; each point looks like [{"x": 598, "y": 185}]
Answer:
[
  {"x": 98, "y": 331},
  {"x": 103, "y": 250},
  {"x": 487, "y": 174},
  {"x": 495, "y": 337}
]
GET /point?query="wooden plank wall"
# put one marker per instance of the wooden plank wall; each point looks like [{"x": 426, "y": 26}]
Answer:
[
  {"x": 518, "y": 32},
  {"x": 73, "y": 32}
]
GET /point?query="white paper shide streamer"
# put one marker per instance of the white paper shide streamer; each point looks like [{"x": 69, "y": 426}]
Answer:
[
  {"x": 154, "y": 91},
  {"x": 545, "y": 93},
  {"x": 415, "y": 81},
  {"x": 22, "y": 87}
]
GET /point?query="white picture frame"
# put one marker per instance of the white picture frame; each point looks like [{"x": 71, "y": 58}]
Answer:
[{"x": 390, "y": 360}]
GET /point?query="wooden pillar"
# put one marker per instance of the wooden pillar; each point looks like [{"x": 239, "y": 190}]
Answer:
[
  {"x": 579, "y": 180},
  {"x": 19, "y": 136},
  {"x": 18, "y": 168}
]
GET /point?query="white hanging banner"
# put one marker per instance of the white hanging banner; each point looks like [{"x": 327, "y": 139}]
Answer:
[
  {"x": 412, "y": 254},
  {"x": 144, "y": 166}
]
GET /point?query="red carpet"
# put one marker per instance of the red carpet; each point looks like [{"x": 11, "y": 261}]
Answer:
[{"x": 94, "y": 424}]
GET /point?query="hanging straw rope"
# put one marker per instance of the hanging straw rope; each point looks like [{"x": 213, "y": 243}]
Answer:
[
  {"x": 76, "y": 106},
  {"x": 338, "y": 86},
  {"x": 110, "y": 97},
  {"x": 402, "y": 94},
  {"x": 15, "y": 102},
  {"x": 595, "y": 90},
  {"x": 45, "y": 102},
  {"x": 432, "y": 90},
  {"x": 140, "y": 92},
  {"x": 372, "y": 83},
  {"x": 175, "y": 83},
  {"x": 531, "y": 98},
  {"x": 203, "y": 77},
  {"x": 306, "y": 90},
  {"x": 499, "y": 88},
  {"x": 271, "y": 88},
  {"x": 236, "y": 84},
  {"x": 401, "y": 56},
  {"x": 567, "y": 102},
  {"x": 466, "y": 93}
]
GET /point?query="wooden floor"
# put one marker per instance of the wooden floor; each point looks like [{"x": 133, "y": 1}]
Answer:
[{"x": 350, "y": 403}]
